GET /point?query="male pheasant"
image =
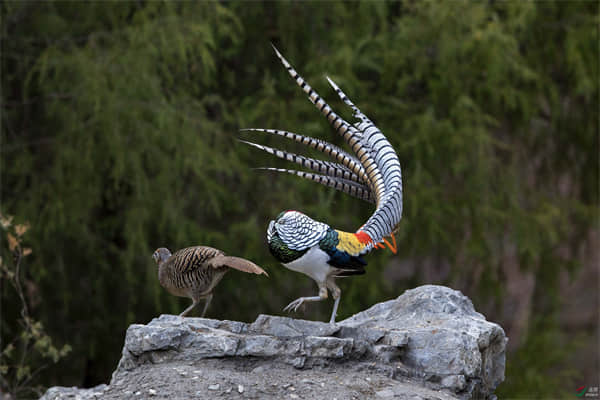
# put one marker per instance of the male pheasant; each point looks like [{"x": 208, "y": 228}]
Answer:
[
  {"x": 373, "y": 174},
  {"x": 195, "y": 271}
]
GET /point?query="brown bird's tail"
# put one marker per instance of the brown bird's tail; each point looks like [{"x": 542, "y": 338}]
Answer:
[{"x": 237, "y": 263}]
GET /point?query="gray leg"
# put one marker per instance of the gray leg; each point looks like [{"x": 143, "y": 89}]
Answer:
[
  {"x": 206, "y": 304},
  {"x": 336, "y": 293},
  {"x": 294, "y": 305},
  {"x": 187, "y": 310},
  {"x": 334, "y": 312}
]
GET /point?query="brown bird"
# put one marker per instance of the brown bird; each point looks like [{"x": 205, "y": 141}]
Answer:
[{"x": 195, "y": 271}]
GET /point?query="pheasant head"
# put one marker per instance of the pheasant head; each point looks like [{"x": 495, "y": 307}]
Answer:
[
  {"x": 161, "y": 255},
  {"x": 292, "y": 233}
]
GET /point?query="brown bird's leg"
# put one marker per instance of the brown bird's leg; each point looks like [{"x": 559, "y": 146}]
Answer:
[
  {"x": 208, "y": 300},
  {"x": 187, "y": 310}
]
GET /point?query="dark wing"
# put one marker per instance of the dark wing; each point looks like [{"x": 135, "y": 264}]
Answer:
[
  {"x": 338, "y": 258},
  {"x": 348, "y": 264}
]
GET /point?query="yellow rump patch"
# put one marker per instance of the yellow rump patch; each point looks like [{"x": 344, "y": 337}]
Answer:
[{"x": 349, "y": 243}]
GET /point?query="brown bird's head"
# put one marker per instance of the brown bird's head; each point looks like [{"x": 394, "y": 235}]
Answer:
[{"x": 161, "y": 255}]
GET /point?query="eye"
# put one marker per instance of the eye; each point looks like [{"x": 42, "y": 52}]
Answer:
[{"x": 282, "y": 222}]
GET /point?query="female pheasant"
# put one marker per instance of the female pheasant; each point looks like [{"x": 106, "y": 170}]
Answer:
[
  {"x": 195, "y": 271},
  {"x": 373, "y": 174}
]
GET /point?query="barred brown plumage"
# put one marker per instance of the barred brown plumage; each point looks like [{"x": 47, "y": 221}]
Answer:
[{"x": 195, "y": 271}]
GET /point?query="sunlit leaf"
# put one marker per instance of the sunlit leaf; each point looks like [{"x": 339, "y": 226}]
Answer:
[
  {"x": 13, "y": 242},
  {"x": 20, "y": 229},
  {"x": 5, "y": 221}
]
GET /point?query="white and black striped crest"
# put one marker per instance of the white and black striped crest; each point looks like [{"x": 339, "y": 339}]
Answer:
[{"x": 298, "y": 231}]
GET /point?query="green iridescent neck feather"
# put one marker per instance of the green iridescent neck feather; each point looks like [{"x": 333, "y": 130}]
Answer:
[
  {"x": 330, "y": 240},
  {"x": 281, "y": 252}
]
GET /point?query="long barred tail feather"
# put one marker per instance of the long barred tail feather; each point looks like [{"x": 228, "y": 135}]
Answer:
[
  {"x": 376, "y": 164},
  {"x": 343, "y": 185},
  {"x": 375, "y": 153},
  {"x": 323, "y": 167},
  {"x": 331, "y": 150},
  {"x": 353, "y": 135},
  {"x": 350, "y": 134},
  {"x": 345, "y": 99}
]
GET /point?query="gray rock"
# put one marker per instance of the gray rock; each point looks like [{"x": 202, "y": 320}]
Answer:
[
  {"x": 61, "y": 392},
  {"x": 448, "y": 341},
  {"x": 385, "y": 393},
  {"x": 429, "y": 343},
  {"x": 289, "y": 327}
]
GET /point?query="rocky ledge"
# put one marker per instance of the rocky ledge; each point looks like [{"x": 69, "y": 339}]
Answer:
[{"x": 429, "y": 343}]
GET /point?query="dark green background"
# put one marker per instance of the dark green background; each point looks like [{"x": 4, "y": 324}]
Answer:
[{"x": 119, "y": 128}]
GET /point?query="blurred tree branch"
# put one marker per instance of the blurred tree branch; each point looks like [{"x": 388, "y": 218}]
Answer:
[{"x": 22, "y": 356}]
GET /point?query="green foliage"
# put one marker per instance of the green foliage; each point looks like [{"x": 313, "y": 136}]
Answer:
[
  {"x": 529, "y": 371},
  {"x": 119, "y": 127}
]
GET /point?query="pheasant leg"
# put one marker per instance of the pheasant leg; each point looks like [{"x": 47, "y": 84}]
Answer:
[
  {"x": 187, "y": 310},
  {"x": 336, "y": 293},
  {"x": 294, "y": 305},
  {"x": 334, "y": 313},
  {"x": 206, "y": 304}
]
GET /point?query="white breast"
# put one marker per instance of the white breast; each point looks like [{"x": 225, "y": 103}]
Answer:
[{"x": 313, "y": 263}]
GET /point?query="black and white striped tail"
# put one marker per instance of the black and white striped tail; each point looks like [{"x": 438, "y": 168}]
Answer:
[
  {"x": 328, "y": 168},
  {"x": 340, "y": 156},
  {"x": 343, "y": 185},
  {"x": 375, "y": 173}
]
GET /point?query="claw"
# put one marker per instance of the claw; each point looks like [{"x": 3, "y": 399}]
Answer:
[{"x": 294, "y": 305}]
